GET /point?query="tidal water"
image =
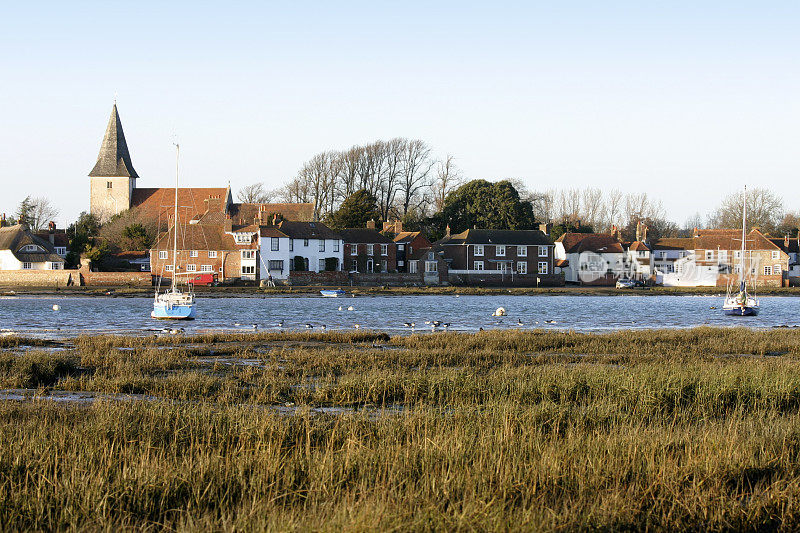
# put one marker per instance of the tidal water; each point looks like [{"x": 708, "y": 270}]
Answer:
[{"x": 82, "y": 315}]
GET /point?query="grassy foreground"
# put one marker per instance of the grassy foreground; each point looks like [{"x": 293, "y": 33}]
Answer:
[{"x": 694, "y": 429}]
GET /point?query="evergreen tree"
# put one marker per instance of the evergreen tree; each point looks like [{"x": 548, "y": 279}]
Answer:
[
  {"x": 355, "y": 211},
  {"x": 486, "y": 205}
]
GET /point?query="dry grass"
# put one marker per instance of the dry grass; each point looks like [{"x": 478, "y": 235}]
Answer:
[{"x": 694, "y": 429}]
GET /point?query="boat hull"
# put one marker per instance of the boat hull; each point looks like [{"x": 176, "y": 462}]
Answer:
[
  {"x": 332, "y": 294},
  {"x": 173, "y": 312},
  {"x": 741, "y": 311}
]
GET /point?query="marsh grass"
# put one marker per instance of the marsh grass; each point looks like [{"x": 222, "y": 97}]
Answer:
[{"x": 693, "y": 429}]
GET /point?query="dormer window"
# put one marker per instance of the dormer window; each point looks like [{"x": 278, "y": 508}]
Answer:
[{"x": 31, "y": 248}]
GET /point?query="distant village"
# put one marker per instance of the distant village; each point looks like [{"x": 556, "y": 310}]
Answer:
[{"x": 363, "y": 241}]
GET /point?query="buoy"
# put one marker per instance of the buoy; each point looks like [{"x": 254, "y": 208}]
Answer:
[
  {"x": 351, "y": 308},
  {"x": 356, "y": 326},
  {"x": 500, "y": 311},
  {"x": 56, "y": 307}
]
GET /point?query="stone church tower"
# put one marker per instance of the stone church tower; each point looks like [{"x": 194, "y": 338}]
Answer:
[{"x": 113, "y": 179}]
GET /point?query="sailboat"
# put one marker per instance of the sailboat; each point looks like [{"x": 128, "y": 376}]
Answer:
[
  {"x": 174, "y": 303},
  {"x": 741, "y": 303}
]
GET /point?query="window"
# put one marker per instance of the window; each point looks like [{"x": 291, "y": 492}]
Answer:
[
  {"x": 737, "y": 269},
  {"x": 370, "y": 266},
  {"x": 663, "y": 255},
  {"x": 354, "y": 266},
  {"x": 248, "y": 269},
  {"x": 401, "y": 247},
  {"x": 384, "y": 265},
  {"x": 31, "y": 248},
  {"x": 163, "y": 254},
  {"x": 401, "y": 263},
  {"x": 322, "y": 245},
  {"x": 212, "y": 254},
  {"x": 248, "y": 254},
  {"x": 193, "y": 253},
  {"x": 27, "y": 266},
  {"x": 542, "y": 267},
  {"x": 191, "y": 268},
  {"x": 275, "y": 264},
  {"x": 384, "y": 249},
  {"x": 370, "y": 249},
  {"x": 410, "y": 249},
  {"x": 291, "y": 245},
  {"x": 275, "y": 244},
  {"x": 336, "y": 245},
  {"x": 353, "y": 249},
  {"x": 478, "y": 265},
  {"x": 723, "y": 256},
  {"x": 430, "y": 266},
  {"x": 412, "y": 267},
  {"x": 56, "y": 266},
  {"x": 522, "y": 267},
  {"x": 242, "y": 238},
  {"x": 776, "y": 269},
  {"x": 776, "y": 254},
  {"x": 709, "y": 255},
  {"x": 321, "y": 264},
  {"x": 109, "y": 184},
  {"x": 430, "y": 256},
  {"x": 737, "y": 254},
  {"x": 478, "y": 250},
  {"x": 168, "y": 268},
  {"x": 522, "y": 251},
  {"x": 305, "y": 242},
  {"x": 206, "y": 268},
  {"x": 767, "y": 270},
  {"x": 543, "y": 251},
  {"x": 61, "y": 250},
  {"x": 500, "y": 250}
]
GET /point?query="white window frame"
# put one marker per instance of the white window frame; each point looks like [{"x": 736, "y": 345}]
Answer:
[
  {"x": 248, "y": 255},
  {"x": 291, "y": 245},
  {"x": 709, "y": 255},
  {"x": 353, "y": 249},
  {"x": 384, "y": 265},
  {"x": 163, "y": 254},
  {"x": 336, "y": 245},
  {"x": 776, "y": 269},
  {"x": 321, "y": 264},
  {"x": 191, "y": 267},
  {"x": 412, "y": 266},
  {"x": 776, "y": 254},
  {"x": 242, "y": 238},
  {"x": 542, "y": 251},
  {"x": 274, "y": 244},
  {"x": 354, "y": 265},
  {"x": 477, "y": 265},
  {"x": 321, "y": 245},
  {"x": 206, "y": 268},
  {"x": 248, "y": 270},
  {"x": 193, "y": 253},
  {"x": 370, "y": 249},
  {"x": 431, "y": 267},
  {"x": 384, "y": 249},
  {"x": 723, "y": 256},
  {"x": 542, "y": 268},
  {"x": 767, "y": 270},
  {"x": 168, "y": 268},
  {"x": 522, "y": 251},
  {"x": 477, "y": 250},
  {"x": 522, "y": 267},
  {"x": 500, "y": 250},
  {"x": 212, "y": 254},
  {"x": 27, "y": 266}
]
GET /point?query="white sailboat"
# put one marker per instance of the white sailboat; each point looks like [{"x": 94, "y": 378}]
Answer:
[
  {"x": 740, "y": 303},
  {"x": 174, "y": 304}
]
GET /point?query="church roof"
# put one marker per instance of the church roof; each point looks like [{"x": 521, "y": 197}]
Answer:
[
  {"x": 159, "y": 203},
  {"x": 114, "y": 160}
]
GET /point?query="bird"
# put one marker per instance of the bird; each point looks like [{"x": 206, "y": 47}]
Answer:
[
  {"x": 323, "y": 327},
  {"x": 446, "y": 325},
  {"x": 351, "y": 308},
  {"x": 549, "y": 321},
  {"x": 407, "y": 324},
  {"x": 427, "y": 322},
  {"x": 480, "y": 329},
  {"x": 340, "y": 308},
  {"x": 356, "y": 326},
  {"x": 280, "y": 324},
  {"x": 436, "y": 322},
  {"x": 236, "y": 324},
  {"x": 519, "y": 322},
  {"x": 309, "y": 326},
  {"x": 255, "y": 326}
]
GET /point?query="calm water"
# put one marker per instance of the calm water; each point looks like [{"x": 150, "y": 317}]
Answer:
[{"x": 35, "y": 316}]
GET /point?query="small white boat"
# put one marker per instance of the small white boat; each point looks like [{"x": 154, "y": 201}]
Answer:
[
  {"x": 741, "y": 303},
  {"x": 174, "y": 304},
  {"x": 330, "y": 293}
]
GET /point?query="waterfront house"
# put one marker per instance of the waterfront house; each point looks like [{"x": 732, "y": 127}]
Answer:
[
  {"x": 20, "y": 249},
  {"x": 366, "y": 250},
  {"x": 411, "y": 247},
  {"x": 298, "y": 246},
  {"x": 498, "y": 257},
  {"x": 57, "y": 237},
  {"x": 591, "y": 258},
  {"x": 791, "y": 246}
]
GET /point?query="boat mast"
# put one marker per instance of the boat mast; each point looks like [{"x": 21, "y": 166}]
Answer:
[
  {"x": 744, "y": 237},
  {"x": 175, "y": 221}
]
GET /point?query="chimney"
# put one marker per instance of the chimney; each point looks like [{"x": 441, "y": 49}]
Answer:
[
  {"x": 447, "y": 230},
  {"x": 546, "y": 228},
  {"x": 275, "y": 219},
  {"x": 370, "y": 224},
  {"x": 639, "y": 230},
  {"x": 613, "y": 229},
  {"x": 786, "y": 241},
  {"x": 228, "y": 223},
  {"x": 644, "y": 232},
  {"x": 398, "y": 226},
  {"x": 3, "y": 221},
  {"x": 694, "y": 234}
]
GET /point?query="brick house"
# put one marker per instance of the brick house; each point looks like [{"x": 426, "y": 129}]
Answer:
[
  {"x": 499, "y": 257},
  {"x": 411, "y": 247},
  {"x": 367, "y": 250}
]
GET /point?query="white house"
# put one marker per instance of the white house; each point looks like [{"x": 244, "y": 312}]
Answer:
[
  {"x": 22, "y": 250},
  {"x": 312, "y": 246}
]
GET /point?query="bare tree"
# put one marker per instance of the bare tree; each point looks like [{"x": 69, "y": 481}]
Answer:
[
  {"x": 613, "y": 208},
  {"x": 255, "y": 194},
  {"x": 543, "y": 204},
  {"x": 448, "y": 178},
  {"x": 390, "y": 175},
  {"x": 417, "y": 166},
  {"x": 37, "y": 212},
  {"x": 764, "y": 210},
  {"x": 592, "y": 209}
]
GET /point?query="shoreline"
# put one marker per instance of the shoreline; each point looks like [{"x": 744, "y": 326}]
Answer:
[{"x": 305, "y": 291}]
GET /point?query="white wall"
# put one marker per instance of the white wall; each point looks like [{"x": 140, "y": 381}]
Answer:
[{"x": 310, "y": 252}]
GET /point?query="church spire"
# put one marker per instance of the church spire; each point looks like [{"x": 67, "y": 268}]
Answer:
[{"x": 114, "y": 160}]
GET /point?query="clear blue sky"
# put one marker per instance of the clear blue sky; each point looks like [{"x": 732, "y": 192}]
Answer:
[{"x": 684, "y": 100}]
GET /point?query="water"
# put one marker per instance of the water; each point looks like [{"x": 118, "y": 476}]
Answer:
[{"x": 35, "y": 315}]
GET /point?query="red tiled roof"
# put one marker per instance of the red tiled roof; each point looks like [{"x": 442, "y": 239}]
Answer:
[
  {"x": 197, "y": 237},
  {"x": 159, "y": 203},
  {"x": 639, "y": 246},
  {"x": 731, "y": 239},
  {"x": 245, "y": 213},
  {"x": 600, "y": 243}
]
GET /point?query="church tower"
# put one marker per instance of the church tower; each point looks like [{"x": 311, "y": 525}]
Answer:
[{"x": 113, "y": 179}]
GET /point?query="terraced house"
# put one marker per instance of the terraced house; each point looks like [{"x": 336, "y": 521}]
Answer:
[{"x": 499, "y": 257}]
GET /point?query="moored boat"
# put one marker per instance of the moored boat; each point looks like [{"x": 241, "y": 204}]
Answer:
[
  {"x": 741, "y": 303},
  {"x": 332, "y": 293}
]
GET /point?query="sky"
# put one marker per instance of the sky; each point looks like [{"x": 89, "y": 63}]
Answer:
[{"x": 687, "y": 101}]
